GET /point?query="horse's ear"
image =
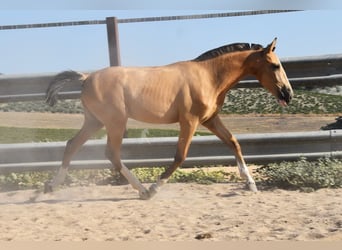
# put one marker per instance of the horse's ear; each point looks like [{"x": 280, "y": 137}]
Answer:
[{"x": 271, "y": 47}]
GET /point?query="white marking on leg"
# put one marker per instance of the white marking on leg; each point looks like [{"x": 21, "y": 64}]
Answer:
[
  {"x": 244, "y": 173},
  {"x": 134, "y": 182},
  {"x": 59, "y": 177},
  {"x": 154, "y": 188}
]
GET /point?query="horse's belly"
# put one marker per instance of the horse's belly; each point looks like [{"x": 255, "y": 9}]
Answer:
[{"x": 149, "y": 114}]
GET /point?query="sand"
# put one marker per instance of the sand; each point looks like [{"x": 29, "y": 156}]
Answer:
[{"x": 179, "y": 212}]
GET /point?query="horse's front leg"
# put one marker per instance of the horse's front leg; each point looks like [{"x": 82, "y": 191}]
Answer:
[
  {"x": 216, "y": 126},
  {"x": 186, "y": 132}
]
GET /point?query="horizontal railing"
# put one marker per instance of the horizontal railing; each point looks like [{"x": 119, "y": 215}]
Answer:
[
  {"x": 314, "y": 71},
  {"x": 151, "y": 152}
]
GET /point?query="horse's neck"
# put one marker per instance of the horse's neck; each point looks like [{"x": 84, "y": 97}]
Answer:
[{"x": 229, "y": 69}]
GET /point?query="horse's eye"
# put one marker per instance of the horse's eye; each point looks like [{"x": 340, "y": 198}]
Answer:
[{"x": 275, "y": 66}]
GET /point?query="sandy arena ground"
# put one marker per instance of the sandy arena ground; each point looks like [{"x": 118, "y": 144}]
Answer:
[{"x": 179, "y": 212}]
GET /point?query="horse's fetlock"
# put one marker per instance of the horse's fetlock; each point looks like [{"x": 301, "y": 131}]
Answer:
[{"x": 252, "y": 186}]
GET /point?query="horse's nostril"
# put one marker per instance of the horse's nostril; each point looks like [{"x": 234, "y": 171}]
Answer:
[{"x": 286, "y": 93}]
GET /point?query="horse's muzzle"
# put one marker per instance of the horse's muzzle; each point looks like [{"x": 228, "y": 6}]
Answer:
[{"x": 285, "y": 95}]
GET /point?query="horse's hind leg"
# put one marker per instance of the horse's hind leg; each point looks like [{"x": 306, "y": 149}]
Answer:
[
  {"x": 216, "y": 126},
  {"x": 115, "y": 131},
  {"x": 90, "y": 126}
]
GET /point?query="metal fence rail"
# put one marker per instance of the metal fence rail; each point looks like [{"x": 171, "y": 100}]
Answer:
[
  {"x": 151, "y": 152},
  {"x": 314, "y": 71},
  {"x": 145, "y": 19}
]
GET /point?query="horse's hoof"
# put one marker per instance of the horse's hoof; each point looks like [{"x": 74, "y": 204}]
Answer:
[
  {"x": 145, "y": 195},
  {"x": 252, "y": 187},
  {"x": 153, "y": 190},
  {"x": 148, "y": 194},
  {"x": 48, "y": 188}
]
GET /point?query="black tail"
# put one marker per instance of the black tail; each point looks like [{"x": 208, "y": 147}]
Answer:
[{"x": 59, "y": 81}]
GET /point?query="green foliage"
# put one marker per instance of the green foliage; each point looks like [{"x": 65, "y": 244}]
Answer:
[
  {"x": 27, "y": 180},
  {"x": 303, "y": 174},
  {"x": 202, "y": 177},
  {"x": 185, "y": 176},
  {"x": 62, "y": 106},
  {"x": 244, "y": 101},
  {"x": 33, "y": 180}
]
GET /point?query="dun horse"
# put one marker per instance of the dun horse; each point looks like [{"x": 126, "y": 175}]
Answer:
[{"x": 189, "y": 92}]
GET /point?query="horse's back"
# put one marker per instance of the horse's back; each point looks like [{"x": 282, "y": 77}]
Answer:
[{"x": 146, "y": 94}]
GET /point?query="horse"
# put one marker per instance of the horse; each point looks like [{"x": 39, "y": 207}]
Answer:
[{"x": 188, "y": 92}]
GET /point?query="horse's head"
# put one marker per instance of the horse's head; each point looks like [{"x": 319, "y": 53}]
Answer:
[{"x": 271, "y": 74}]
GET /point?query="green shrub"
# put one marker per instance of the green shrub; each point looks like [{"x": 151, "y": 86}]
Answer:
[
  {"x": 33, "y": 180},
  {"x": 260, "y": 101},
  {"x": 27, "y": 180},
  {"x": 303, "y": 174},
  {"x": 197, "y": 175}
]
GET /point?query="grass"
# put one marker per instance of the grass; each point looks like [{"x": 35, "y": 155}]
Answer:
[{"x": 22, "y": 135}]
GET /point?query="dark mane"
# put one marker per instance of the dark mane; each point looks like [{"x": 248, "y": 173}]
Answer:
[{"x": 227, "y": 49}]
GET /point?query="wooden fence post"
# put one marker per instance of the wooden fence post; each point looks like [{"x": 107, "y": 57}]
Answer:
[
  {"x": 113, "y": 41},
  {"x": 113, "y": 46}
]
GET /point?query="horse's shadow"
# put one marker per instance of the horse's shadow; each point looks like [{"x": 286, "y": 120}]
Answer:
[
  {"x": 37, "y": 198},
  {"x": 55, "y": 201}
]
